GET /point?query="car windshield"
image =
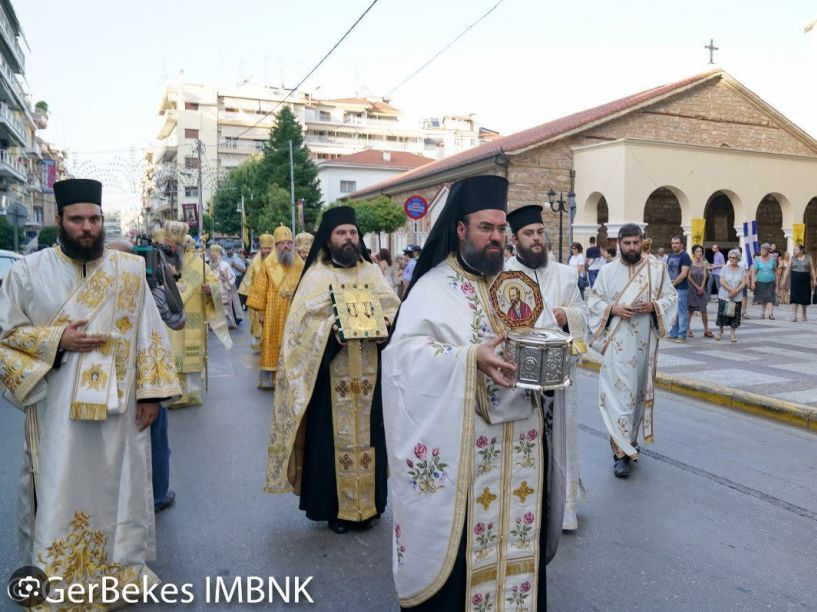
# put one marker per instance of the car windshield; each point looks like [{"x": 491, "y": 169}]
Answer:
[{"x": 5, "y": 265}]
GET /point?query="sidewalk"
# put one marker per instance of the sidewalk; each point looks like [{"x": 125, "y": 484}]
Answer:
[{"x": 770, "y": 370}]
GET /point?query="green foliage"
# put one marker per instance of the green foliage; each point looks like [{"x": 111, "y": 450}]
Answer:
[
  {"x": 276, "y": 210},
  {"x": 7, "y": 235},
  {"x": 208, "y": 226},
  {"x": 47, "y": 236},
  {"x": 41, "y": 106},
  {"x": 379, "y": 215}
]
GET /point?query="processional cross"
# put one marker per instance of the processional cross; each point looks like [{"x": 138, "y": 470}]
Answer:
[{"x": 712, "y": 48}]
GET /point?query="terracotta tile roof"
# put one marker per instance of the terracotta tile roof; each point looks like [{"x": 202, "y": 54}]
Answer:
[
  {"x": 400, "y": 160},
  {"x": 538, "y": 135}
]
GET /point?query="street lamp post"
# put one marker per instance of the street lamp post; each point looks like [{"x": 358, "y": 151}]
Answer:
[{"x": 562, "y": 206}]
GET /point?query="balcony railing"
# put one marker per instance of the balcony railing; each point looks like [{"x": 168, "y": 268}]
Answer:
[
  {"x": 315, "y": 117},
  {"x": 363, "y": 143},
  {"x": 246, "y": 117},
  {"x": 12, "y": 81},
  {"x": 8, "y": 32},
  {"x": 11, "y": 165},
  {"x": 14, "y": 125},
  {"x": 240, "y": 146}
]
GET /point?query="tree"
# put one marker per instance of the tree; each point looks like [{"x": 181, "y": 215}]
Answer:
[
  {"x": 208, "y": 226},
  {"x": 276, "y": 211},
  {"x": 241, "y": 181},
  {"x": 7, "y": 235},
  {"x": 379, "y": 215},
  {"x": 47, "y": 237},
  {"x": 273, "y": 168}
]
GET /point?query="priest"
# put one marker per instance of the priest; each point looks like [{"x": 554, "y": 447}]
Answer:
[
  {"x": 201, "y": 296},
  {"x": 303, "y": 243},
  {"x": 477, "y": 492},
  {"x": 631, "y": 305},
  {"x": 271, "y": 295},
  {"x": 326, "y": 436},
  {"x": 226, "y": 278},
  {"x": 265, "y": 246},
  {"x": 559, "y": 287},
  {"x": 85, "y": 354}
]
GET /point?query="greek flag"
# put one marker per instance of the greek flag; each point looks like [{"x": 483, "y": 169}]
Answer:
[{"x": 750, "y": 245}]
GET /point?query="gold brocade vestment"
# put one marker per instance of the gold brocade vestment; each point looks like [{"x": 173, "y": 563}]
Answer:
[{"x": 272, "y": 291}]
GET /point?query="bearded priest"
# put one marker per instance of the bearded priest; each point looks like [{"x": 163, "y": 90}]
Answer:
[
  {"x": 477, "y": 486},
  {"x": 265, "y": 246},
  {"x": 85, "y": 354},
  {"x": 326, "y": 436}
]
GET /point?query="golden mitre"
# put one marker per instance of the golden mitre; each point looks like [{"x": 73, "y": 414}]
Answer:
[
  {"x": 189, "y": 243},
  {"x": 158, "y": 234},
  {"x": 266, "y": 241},
  {"x": 282, "y": 232},
  {"x": 176, "y": 231},
  {"x": 304, "y": 240}
]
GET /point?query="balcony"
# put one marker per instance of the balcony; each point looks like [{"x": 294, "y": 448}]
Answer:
[
  {"x": 359, "y": 144},
  {"x": 11, "y": 40},
  {"x": 354, "y": 121},
  {"x": 12, "y": 125},
  {"x": 245, "y": 118},
  {"x": 34, "y": 149},
  {"x": 12, "y": 168},
  {"x": 19, "y": 96},
  {"x": 167, "y": 122},
  {"x": 244, "y": 147}
]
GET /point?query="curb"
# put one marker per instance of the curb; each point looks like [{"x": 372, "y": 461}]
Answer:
[{"x": 797, "y": 415}]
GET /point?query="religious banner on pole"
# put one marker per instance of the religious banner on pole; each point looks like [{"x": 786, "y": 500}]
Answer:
[
  {"x": 697, "y": 231},
  {"x": 798, "y": 233},
  {"x": 191, "y": 215}
]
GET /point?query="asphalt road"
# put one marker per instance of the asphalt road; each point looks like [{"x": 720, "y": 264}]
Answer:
[{"x": 719, "y": 514}]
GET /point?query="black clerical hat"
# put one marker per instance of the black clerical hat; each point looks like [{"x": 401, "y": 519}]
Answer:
[
  {"x": 338, "y": 215},
  {"x": 525, "y": 215},
  {"x": 478, "y": 193},
  {"x": 77, "y": 191}
]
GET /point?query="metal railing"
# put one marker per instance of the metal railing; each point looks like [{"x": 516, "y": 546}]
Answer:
[
  {"x": 12, "y": 81},
  {"x": 5, "y": 26},
  {"x": 315, "y": 117},
  {"x": 8, "y": 160},
  {"x": 13, "y": 123},
  {"x": 365, "y": 143},
  {"x": 241, "y": 146}
]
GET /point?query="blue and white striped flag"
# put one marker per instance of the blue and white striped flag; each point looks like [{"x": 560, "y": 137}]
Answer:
[{"x": 750, "y": 245}]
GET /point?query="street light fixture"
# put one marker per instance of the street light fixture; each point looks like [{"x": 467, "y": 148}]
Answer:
[{"x": 562, "y": 206}]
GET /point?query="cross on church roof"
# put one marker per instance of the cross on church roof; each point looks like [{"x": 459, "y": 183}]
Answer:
[{"x": 712, "y": 48}]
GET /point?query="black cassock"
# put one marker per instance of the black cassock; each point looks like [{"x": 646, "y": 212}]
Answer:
[{"x": 319, "y": 497}]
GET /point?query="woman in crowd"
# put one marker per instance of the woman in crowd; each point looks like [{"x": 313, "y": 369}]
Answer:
[
  {"x": 783, "y": 289},
  {"x": 576, "y": 262},
  {"x": 764, "y": 280},
  {"x": 696, "y": 299},
  {"x": 386, "y": 264},
  {"x": 802, "y": 279},
  {"x": 730, "y": 295}
]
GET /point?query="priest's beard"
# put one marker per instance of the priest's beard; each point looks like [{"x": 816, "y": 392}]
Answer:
[
  {"x": 285, "y": 258},
  {"x": 75, "y": 250},
  {"x": 487, "y": 263},
  {"x": 531, "y": 258},
  {"x": 346, "y": 255},
  {"x": 631, "y": 257}
]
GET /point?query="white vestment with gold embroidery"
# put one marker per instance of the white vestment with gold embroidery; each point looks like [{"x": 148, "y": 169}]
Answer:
[
  {"x": 84, "y": 459},
  {"x": 559, "y": 286},
  {"x": 453, "y": 474},
  {"x": 629, "y": 348}
]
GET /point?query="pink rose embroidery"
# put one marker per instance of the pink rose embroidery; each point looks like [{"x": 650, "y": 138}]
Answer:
[
  {"x": 435, "y": 452},
  {"x": 479, "y": 528},
  {"x": 482, "y": 442},
  {"x": 476, "y": 599},
  {"x": 525, "y": 586},
  {"x": 467, "y": 288},
  {"x": 532, "y": 435},
  {"x": 397, "y": 531},
  {"x": 529, "y": 518},
  {"x": 420, "y": 451},
  {"x": 409, "y": 463}
]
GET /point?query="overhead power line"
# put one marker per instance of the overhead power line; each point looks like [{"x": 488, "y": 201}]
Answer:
[
  {"x": 441, "y": 51},
  {"x": 311, "y": 72}
]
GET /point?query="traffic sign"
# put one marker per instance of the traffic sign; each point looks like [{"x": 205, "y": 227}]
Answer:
[{"x": 416, "y": 207}]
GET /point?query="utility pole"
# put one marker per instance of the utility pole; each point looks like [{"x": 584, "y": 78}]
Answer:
[
  {"x": 292, "y": 188},
  {"x": 199, "y": 147},
  {"x": 201, "y": 201}
]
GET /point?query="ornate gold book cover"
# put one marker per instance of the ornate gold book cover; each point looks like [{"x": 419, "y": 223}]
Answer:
[{"x": 358, "y": 312}]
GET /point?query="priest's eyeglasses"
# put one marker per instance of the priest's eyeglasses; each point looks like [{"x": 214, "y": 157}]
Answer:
[{"x": 488, "y": 229}]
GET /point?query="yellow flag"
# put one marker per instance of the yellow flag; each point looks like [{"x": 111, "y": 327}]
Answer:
[
  {"x": 697, "y": 231},
  {"x": 798, "y": 233}
]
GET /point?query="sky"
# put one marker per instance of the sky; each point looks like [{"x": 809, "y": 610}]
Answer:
[{"x": 101, "y": 65}]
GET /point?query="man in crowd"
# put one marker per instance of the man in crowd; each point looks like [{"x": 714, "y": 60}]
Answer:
[
  {"x": 239, "y": 267},
  {"x": 271, "y": 295},
  {"x": 678, "y": 267},
  {"x": 326, "y": 437},
  {"x": 265, "y": 246},
  {"x": 718, "y": 262},
  {"x": 84, "y": 353},
  {"x": 476, "y": 516},
  {"x": 226, "y": 278},
  {"x": 413, "y": 254},
  {"x": 200, "y": 291},
  {"x": 558, "y": 285},
  {"x": 593, "y": 261},
  {"x": 303, "y": 243},
  {"x": 631, "y": 306}
]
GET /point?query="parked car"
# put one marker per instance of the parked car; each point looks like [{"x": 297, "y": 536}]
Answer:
[{"x": 7, "y": 259}]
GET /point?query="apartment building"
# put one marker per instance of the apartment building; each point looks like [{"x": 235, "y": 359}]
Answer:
[{"x": 234, "y": 124}]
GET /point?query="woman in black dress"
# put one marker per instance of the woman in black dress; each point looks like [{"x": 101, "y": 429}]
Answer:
[{"x": 803, "y": 280}]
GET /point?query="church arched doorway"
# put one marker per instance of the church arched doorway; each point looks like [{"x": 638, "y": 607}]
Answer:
[
  {"x": 720, "y": 222},
  {"x": 769, "y": 217},
  {"x": 662, "y": 214},
  {"x": 810, "y": 219}
]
